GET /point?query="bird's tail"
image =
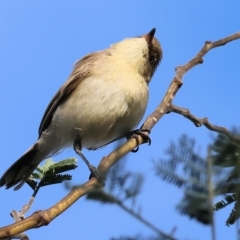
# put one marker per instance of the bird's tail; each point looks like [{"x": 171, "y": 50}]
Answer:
[{"x": 21, "y": 170}]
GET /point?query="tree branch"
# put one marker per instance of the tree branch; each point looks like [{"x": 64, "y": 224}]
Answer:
[
  {"x": 198, "y": 122},
  {"x": 198, "y": 59},
  {"x": 42, "y": 218}
]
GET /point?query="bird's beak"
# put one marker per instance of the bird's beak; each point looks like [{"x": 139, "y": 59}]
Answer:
[{"x": 149, "y": 37}]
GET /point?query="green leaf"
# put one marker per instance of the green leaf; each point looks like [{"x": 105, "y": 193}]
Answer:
[
  {"x": 63, "y": 166},
  {"x": 36, "y": 175},
  {"x": 49, "y": 173},
  {"x": 54, "y": 179}
]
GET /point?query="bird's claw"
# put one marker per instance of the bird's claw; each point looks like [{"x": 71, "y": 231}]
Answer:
[{"x": 144, "y": 133}]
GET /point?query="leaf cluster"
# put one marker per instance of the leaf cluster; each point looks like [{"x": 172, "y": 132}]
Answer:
[
  {"x": 188, "y": 169},
  {"x": 51, "y": 173}
]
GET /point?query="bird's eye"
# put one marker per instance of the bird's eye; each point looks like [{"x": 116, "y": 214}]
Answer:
[{"x": 151, "y": 58}]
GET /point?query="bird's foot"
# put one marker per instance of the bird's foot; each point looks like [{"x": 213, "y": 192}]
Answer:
[{"x": 144, "y": 133}]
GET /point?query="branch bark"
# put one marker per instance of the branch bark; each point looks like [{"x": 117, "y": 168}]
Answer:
[{"x": 41, "y": 218}]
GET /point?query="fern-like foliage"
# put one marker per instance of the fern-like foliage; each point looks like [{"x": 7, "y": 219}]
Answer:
[
  {"x": 227, "y": 152},
  {"x": 187, "y": 169},
  {"x": 50, "y": 173},
  {"x": 196, "y": 205}
]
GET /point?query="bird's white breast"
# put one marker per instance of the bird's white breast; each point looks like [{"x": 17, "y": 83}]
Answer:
[{"x": 103, "y": 108}]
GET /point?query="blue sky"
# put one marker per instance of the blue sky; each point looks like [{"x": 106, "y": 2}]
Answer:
[{"x": 39, "y": 43}]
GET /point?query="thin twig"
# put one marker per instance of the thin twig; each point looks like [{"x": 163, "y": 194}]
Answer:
[
  {"x": 198, "y": 59},
  {"x": 198, "y": 122}
]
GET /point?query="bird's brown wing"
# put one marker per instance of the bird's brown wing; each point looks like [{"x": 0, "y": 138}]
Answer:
[{"x": 81, "y": 71}]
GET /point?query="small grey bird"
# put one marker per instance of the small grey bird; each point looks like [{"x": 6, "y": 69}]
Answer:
[{"x": 104, "y": 99}]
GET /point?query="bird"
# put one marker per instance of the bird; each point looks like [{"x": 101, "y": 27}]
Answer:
[{"x": 104, "y": 99}]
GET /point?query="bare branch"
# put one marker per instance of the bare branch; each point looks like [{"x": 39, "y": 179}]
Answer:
[
  {"x": 198, "y": 59},
  {"x": 198, "y": 122},
  {"x": 42, "y": 218}
]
